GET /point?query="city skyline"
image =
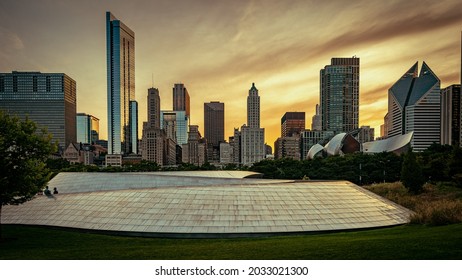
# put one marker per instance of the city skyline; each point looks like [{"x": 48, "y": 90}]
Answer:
[{"x": 227, "y": 46}]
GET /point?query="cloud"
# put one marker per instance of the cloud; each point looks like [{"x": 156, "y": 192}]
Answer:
[
  {"x": 11, "y": 49},
  {"x": 11, "y": 42}
]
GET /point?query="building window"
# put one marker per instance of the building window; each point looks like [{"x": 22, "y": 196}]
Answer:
[
  {"x": 34, "y": 84},
  {"x": 48, "y": 83},
  {"x": 2, "y": 84},
  {"x": 15, "y": 83}
]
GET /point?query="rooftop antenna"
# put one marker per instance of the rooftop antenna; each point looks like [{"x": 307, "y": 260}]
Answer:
[{"x": 152, "y": 80}]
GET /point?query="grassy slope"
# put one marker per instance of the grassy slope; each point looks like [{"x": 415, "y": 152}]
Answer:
[{"x": 404, "y": 242}]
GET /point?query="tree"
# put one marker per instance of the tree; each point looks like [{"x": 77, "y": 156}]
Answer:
[
  {"x": 411, "y": 173},
  {"x": 23, "y": 152}
]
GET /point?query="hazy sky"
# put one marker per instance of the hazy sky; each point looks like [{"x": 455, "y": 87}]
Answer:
[{"x": 218, "y": 48}]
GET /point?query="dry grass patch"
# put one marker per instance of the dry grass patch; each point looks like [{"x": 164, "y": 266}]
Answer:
[{"x": 439, "y": 204}]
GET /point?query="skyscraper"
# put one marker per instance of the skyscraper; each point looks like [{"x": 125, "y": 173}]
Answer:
[
  {"x": 133, "y": 127},
  {"x": 175, "y": 124},
  {"x": 316, "y": 121},
  {"x": 120, "y": 48},
  {"x": 153, "y": 108},
  {"x": 214, "y": 123},
  {"x": 154, "y": 138},
  {"x": 49, "y": 99},
  {"x": 252, "y": 138},
  {"x": 194, "y": 152},
  {"x": 414, "y": 105},
  {"x": 214, "y": 129},
  {"x": 450, "y": 115},
  {"x": 288, "y": 145},
  {"x": 292, "y": 123},
  {"x": 253, "y": 108},
  {"x": 87, "y": 128},
  {"x": 181, "y": 99},
  {"x": 340, "y": 95}
]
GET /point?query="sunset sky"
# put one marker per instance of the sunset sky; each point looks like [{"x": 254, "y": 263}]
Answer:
[{"x": 218, "y": 48}]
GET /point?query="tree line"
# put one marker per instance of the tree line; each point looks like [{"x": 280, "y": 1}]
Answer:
[{"x": 437, "y": 163}]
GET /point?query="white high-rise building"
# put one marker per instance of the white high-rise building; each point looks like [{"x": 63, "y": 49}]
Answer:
[
  {"x": 414, "y": 105},
  {"x": 252, "y": 140}
]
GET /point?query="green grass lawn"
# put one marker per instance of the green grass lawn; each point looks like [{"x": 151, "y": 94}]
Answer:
[{"x": 403, "y": 242}]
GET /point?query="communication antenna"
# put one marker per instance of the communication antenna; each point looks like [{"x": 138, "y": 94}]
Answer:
[{"x": 152, "y": 80}]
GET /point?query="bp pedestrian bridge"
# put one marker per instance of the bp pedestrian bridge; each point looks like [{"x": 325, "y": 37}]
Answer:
[{"x": 204, "y": 204}]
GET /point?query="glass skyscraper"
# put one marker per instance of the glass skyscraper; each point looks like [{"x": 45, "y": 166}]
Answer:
[
  {"x": 120, "y": 43},
  {"x": 87, "y": 128},
  {"x": 340, "y": 95},
  {"x": 175, "y": 124},
  {"x": 133, "y": 127},
  {"x": 49, "y": 99}
]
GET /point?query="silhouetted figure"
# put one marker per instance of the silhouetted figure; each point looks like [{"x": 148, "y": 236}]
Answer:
[
  {"x": 55, "y": 191},
  {"x": 47, "y": 191}
]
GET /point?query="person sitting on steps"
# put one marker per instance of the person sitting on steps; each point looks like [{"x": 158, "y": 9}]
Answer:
[{"x": 47, "y": 191}]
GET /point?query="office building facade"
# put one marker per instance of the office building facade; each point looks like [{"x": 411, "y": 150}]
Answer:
[
  {"x": 287, "y": 147},
  {"x": 292, "y": 123},
  {"x": 120, "y": 49},
  {"x": 339, "y": 96},
  {"x": 414, "y": 105},
  {"x": 181, "y": 100},
  {"x": 214, "y": 123},
  {"x": 133, "y": 143},
  {"x": 175, "y": 124},
  {"x": 87, "y": 128},
  {"x": 194, "y": 152},
  {"x": 214, "y": 129},
  {"x": 49, "y": 99},
  {"x": 451, "y": 132},
  {"x": 366, "y": 134},
  {"x": 153, "y": 108}
]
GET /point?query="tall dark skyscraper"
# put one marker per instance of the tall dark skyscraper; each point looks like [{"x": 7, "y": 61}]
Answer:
[
  {"x": 340, "y": 95},
  {"x": 414, "y": 105},
  {"x": 120, "y": 44},
  {"x": 154, "y": 138},
  {"x": 181, "y": 99},
  {"x": 49, "y": 99},
  {"x": 154, "y": 108},
  {"x": 214, "y": 123}
]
